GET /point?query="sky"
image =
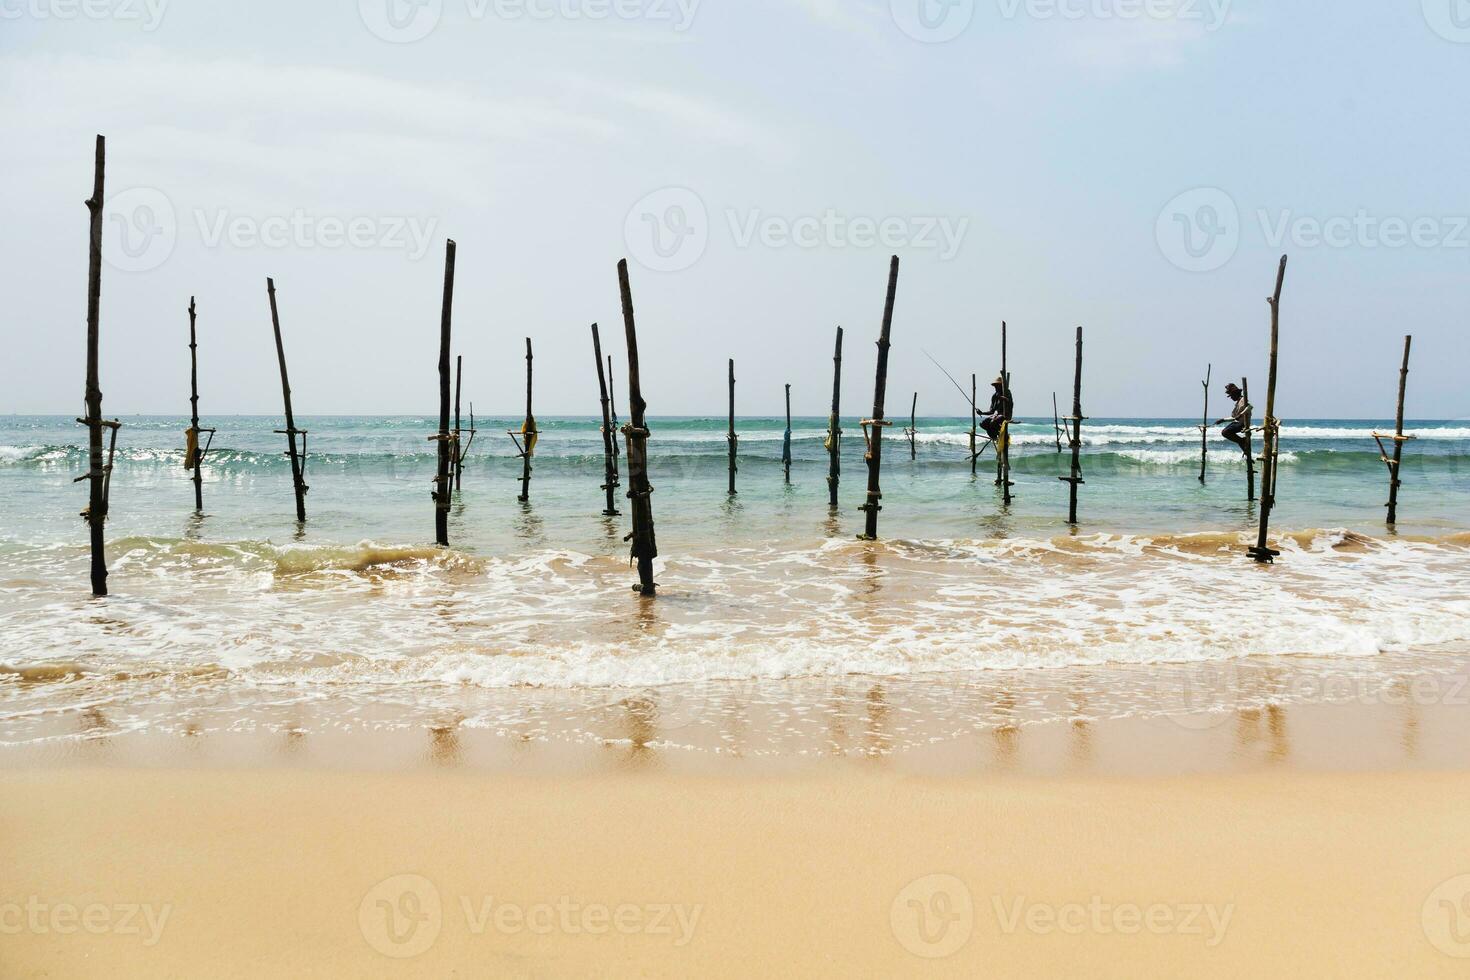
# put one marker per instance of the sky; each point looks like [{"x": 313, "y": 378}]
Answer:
[{"x": 1133, "y": 167}]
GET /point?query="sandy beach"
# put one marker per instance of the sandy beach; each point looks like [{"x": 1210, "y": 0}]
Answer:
[{"x": 1274, "y": 842}]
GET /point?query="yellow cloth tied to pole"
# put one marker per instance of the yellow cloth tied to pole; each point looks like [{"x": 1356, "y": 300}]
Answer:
[
  {"x": 191, "y": 448},
  {"x": 1003, "y": 440},
  {"x": 530, "y": 434}
]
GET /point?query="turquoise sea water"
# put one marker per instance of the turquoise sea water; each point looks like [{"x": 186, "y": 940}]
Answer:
[
  {"x": 242, "y": 603},
  {"x": 370, "y": 479}
]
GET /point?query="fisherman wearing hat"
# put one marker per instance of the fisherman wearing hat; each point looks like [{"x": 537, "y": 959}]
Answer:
[
  {"x": 1237, "y": 429},
  {"x": 999, "y": 411}
]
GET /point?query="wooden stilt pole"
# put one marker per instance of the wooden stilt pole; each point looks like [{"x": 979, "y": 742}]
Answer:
[
  {"x": 443, "y": 486},
  {"x": 528, "y": 433},
  {"x": 974, "y": 425},
  {"x": 96, "y": 512},
  {"x": 457, "y": 459},
  {"x": 609, "y": 439},
  {"x": 913, "y": 430},
  {"x": 194, "y": 453},
  {"x": 463, "y": 452},
  {"x": 612, "y": 397},
  {"x": 786, "y": 439},
  {"x": 731, "y": 438},
  {"x": 1056, "y": 421},
  {"x": 873, "y": 427},
  {"x": 1395, "y": 464},
  {"x": 640, "y": 492},
  {"x": 1204, "y": 427},
  {"x": 834, "y": 427},
  {"x": 1270, "y": 432},
  {"x": 298, "y": 459},
  {"x": 1003, "y": 454},
  {"x": 1250, "y": 438},
  {"x": 1074, "y": 434}
]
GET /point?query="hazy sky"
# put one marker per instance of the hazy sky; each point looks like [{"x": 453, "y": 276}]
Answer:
[{"x": 1132, "y": 166}]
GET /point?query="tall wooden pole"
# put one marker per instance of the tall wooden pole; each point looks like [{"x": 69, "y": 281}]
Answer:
[
  {"x": 529, "y": 433},
  {"x": 834, "y": 427},
  {"x": 731, "y": 438},
  {"x": 645, "y": 548},
  {"x": 914, "y": 428},
  {"x": 786, "y": 439},
  {"x": 1250, "y": 438},
  {"x": 442, "y": 485},
  {"x": 877, "y": 423},
  {"x": 1056, "y": 421},
  {"x": 96, "y": 499},
  {"x": 298, "y": 482},
  {"x": 974, "y": 420},
  {"x": 196, "y": 458},
  {"x": 457, "y": 460},
  {"x": 612, "y": 397},
  {"x": 1075, "y": 432},
  {"x": 1398, "y": 438},
  {"x": 1270, "y": 432},
  {"x": 1204, "y": 427},
  {"x": 609, "y": 439},
  {"x": 1003, "y": 454}
]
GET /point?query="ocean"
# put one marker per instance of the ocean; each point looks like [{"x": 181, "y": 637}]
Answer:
[{"x": 240, "y": 617}]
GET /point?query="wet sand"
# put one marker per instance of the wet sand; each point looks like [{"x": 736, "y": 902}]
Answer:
[{"x": 1316, "y": 839}]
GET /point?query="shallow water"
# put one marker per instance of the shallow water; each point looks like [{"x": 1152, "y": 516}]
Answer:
[{"x": 241, "y": 606}]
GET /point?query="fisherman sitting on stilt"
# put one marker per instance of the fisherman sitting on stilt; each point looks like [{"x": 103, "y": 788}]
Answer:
[
  {"x": 1237, "y": 427},
  {"x": 993, "y": 419}
]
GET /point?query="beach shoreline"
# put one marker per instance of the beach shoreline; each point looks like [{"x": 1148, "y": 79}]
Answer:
[
  {"x": 1323, "y": 838},
  {"x": 432, "y": 874}
]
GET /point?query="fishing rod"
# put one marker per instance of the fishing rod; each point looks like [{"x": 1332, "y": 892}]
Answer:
[
  {"x": 967, "y": 398},
  {"x": 952, "y": 381}
]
